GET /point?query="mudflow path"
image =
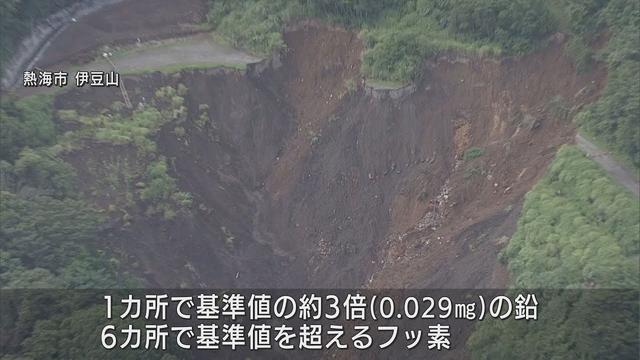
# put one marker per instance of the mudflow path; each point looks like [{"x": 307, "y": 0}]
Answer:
[{"x": 306, "y": 178}]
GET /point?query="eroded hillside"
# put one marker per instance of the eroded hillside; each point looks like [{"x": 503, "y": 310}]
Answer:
[{"x": 302, "y": 176}]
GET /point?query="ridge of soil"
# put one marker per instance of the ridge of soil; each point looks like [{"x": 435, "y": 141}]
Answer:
[{"x": 305, "y": 180}]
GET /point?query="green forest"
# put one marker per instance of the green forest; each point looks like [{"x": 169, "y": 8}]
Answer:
[
  {"x": 578, "y": 230},
  {"x": 52, "y": 237},
  {"x": 614, "y": 119},
  {"x": 48, "y": 231}
]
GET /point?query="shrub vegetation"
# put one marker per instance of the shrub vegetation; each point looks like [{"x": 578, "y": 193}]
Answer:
[
  {"x": 578, "y": 230},
  {"x": 25, "y": 123},
  {"x": 399, "y": 34},
  {"x": 52, "y": 238}
]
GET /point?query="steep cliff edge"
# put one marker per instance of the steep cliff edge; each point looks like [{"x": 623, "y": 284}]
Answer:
[{"x": 301, "y": 176}]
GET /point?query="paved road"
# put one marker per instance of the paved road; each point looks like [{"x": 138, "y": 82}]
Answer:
[
  {"x": 193, "y": 50},
  {"x": 619, "y": 173},
  {"x": 31, "y": 48},
  {"x": 199, "y": 50}
]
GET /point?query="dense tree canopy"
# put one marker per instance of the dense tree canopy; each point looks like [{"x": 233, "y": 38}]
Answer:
[
  {"x": 25, "y": 123},
  {"x": 400, "y": 32},
  {"x": 578, "y": 230},
  {"x": 615, "y": 118}
]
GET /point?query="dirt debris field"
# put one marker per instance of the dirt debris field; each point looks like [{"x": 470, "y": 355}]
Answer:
[{"x": 320, "y": 183}]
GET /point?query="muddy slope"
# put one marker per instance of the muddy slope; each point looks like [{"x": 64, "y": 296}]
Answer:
[{"x": 306, "y": 179}]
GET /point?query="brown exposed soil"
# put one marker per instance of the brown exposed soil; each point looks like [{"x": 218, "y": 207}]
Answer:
[{"x": 304, "y": 179}]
